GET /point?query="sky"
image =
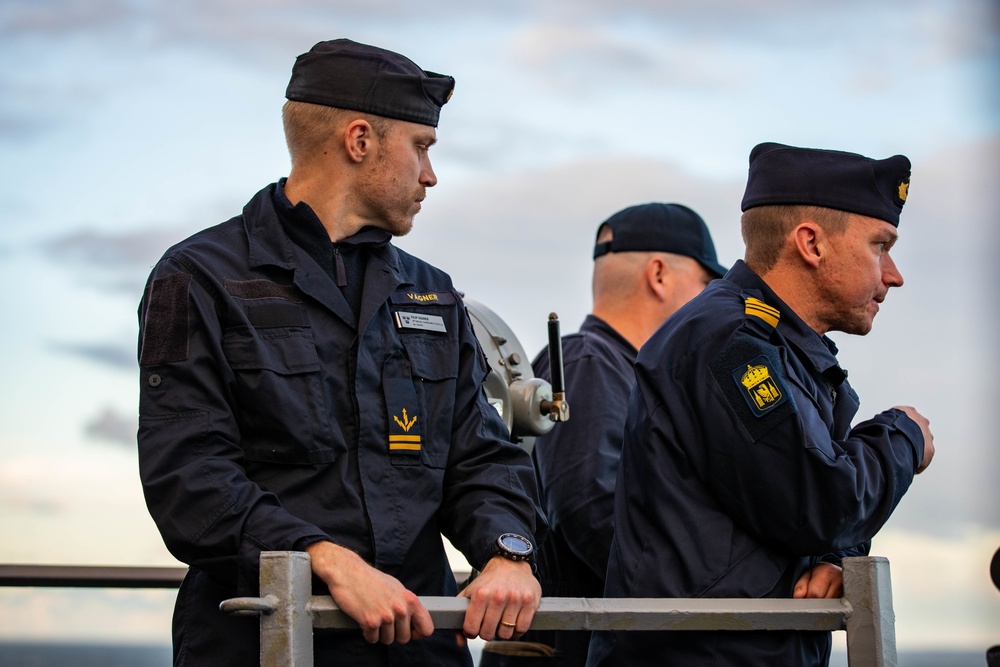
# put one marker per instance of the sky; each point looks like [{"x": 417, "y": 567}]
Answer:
[{"x": 126, "y": 125}]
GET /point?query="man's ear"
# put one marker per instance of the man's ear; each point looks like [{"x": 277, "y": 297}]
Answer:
[
  {"x": 358, "y": 138},
  {"x": 657, "y": 277},
  {"x": 809, "y": 242}
]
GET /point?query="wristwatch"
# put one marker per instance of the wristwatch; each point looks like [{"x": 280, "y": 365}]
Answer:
[{"x": 513, "y": 547}]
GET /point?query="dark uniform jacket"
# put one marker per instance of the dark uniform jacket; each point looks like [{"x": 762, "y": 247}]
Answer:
[
  {"x": 740, "y": 470},
  {"x": 576, "y": 465},
  {"x": 272, "y": 416}
]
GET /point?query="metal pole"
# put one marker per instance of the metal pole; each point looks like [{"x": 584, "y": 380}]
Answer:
[
  {"x": 91, "y": 576},
  {"x": 286, "y": 635},
  {"x": 871, "y": 623}
]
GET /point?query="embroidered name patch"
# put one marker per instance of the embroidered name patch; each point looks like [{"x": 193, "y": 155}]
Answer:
[
  {"x": 419, "y": 321},
  {"x": 413, "y": 298},
  {"x": 761, "y": 389}
]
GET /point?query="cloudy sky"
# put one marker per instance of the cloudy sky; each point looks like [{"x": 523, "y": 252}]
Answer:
[{"x": 125, "y": 125}]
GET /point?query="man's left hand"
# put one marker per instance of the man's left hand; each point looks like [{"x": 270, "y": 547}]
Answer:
[
  {"x": 502, "y": 600},
  {"x": 825, "y": 580}
]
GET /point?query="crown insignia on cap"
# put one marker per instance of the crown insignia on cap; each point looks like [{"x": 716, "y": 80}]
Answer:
[{"x": 903, "y": 189}]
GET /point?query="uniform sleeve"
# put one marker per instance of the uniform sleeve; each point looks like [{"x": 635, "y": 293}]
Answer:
[
  {"x": 190, "y": 462},
  {"x": 774, "y": 465},
  {"x": 489, "y": 486},
  {"x": 577, "y": 462}
]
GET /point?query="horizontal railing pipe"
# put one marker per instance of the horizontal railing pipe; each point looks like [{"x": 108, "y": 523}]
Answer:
[
  {"x": 289, "y": 612},
  {"x": 90, "y": 576}
]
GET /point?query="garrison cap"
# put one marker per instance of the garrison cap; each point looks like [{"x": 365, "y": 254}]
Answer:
[
  {"x": 656, "y": 227},
  {"x": 786, "y": 175},
  {"x": 348, "y": 75}
]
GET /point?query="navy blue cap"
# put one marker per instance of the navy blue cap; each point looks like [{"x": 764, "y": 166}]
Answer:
[
  {"x": 348, "y": 75},
  {"x": 656, "y": 227},
  {"x": 786, "y": 175}
]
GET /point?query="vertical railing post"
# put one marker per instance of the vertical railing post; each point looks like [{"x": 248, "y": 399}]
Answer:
[
  {"x": 286, "y": 636},
  {"x": 871, "y": 623}
]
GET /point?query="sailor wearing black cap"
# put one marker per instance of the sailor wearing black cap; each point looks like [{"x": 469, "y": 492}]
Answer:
[
  {"x": 741, "y": 474},
  {"x": 649, "y": 260},
  {"x": 306, "y": 385}
]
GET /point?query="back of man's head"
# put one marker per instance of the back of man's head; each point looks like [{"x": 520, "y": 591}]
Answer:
[
  {"x": 656, "y": 227},
  {"x": 649, "y": 260}
]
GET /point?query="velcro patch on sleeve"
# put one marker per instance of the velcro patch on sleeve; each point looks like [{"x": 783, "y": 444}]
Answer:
[
  {"x": 752, "y": 378},
  {"x": 165, "y": 329}
]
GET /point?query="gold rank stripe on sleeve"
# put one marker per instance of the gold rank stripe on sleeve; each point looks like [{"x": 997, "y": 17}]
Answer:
[
  {"x": 404, "y": 442},
  {"x": 762, "y": 311}
]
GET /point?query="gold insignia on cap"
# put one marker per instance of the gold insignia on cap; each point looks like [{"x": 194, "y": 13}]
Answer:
[
  {"x": 450, "y": 93},
  {"x": 904, "y": 187}
]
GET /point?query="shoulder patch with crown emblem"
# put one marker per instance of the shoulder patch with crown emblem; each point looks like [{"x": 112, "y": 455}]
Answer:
[
  {"x": 760, "y": 388},
  {"x": 751, "y": 376}
]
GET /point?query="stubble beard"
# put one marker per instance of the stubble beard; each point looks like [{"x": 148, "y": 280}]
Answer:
[{"x": 380, "y": 193}]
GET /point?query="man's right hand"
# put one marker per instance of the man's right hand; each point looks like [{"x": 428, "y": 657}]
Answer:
[
  {"x": 925, "y": 429},
  {"x": 386, "y": 611}
]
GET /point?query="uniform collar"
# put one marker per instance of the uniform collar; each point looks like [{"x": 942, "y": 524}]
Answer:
[
  {"x": 266, "y": 220},
  {"x": 301, "y": 227},
  {"x": 820, "y": 350},
  {"x": 594, "y": 324}
]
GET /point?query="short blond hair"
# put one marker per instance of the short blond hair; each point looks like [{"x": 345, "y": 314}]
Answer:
[
  {"x": 765, "y": 230},
  {"x": 309, "y": 126}
]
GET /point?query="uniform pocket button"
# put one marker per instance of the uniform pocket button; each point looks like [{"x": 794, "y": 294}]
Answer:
[{"x": 154, "y": 380}]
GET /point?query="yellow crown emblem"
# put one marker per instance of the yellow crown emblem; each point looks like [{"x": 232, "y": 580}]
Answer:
[
  {"x": 754, "y": 376},
  {"x": 904, "y": 188}
]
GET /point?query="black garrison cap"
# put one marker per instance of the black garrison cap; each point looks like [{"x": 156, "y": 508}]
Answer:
[
  {"x": 849, "y": 182},
  {"x": 348, "y": 75},
  {"x": 656, "y": 227}
]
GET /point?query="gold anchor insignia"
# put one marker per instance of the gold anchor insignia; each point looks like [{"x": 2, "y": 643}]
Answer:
[{"x": 405, "y": 424}]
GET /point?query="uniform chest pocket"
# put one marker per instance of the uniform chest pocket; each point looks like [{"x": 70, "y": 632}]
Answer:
[
  {"x": 279, "y": 394},
  {"x": 419, "y": 384}
]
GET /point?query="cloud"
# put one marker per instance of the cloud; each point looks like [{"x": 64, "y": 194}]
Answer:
[
  {"x": 113, "y": 427},
  {"x": 111, "y": 249},
  {"x": 58, "y": 17},
  {"x": 922, "y": 603},
  {"x": 93, "y": 617},
  {"x": 112, "y": 261},
  {"x": 17, "y": 128},
  {"x": 122, "y": 357},
  {"x": 598, "y": 61}
]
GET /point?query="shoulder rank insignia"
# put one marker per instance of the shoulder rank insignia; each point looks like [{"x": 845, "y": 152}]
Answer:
[
  {"x": 761, "y": 389},
  {"x": 403, "y": 441},
  {"x": 762, "y": 311}
]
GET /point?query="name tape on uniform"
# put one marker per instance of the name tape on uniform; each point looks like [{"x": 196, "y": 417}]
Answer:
[{"x": 419, "y": 322}]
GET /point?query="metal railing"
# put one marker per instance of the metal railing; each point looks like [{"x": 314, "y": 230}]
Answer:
[
  {"x": 90, "y": 576},
  {"x": 288, "y": 612}
]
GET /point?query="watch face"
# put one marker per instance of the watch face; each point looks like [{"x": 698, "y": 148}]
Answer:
[{"x": 516, "y": 543}]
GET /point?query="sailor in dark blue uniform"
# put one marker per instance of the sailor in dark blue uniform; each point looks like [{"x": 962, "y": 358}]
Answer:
[
  {"x": 741, "y": 475},
  {"x": 306, "y": 385},
  {"x": 649, "y": 260}
]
